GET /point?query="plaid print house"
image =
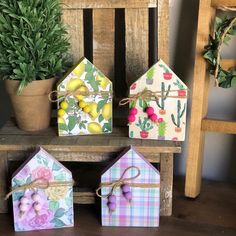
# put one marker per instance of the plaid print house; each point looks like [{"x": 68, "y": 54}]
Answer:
[{"x": 130, "y": 192}]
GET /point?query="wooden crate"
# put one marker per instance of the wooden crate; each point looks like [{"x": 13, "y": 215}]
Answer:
[{"x": 102, "y": 44}]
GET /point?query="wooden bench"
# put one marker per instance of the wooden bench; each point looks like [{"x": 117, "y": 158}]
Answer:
[
  {"x": 102, "y": 30},
  {"x": 16, "y": 145}
]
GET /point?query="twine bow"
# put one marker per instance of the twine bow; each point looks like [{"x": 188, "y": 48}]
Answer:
[
  {"x": 147, "y": 95},
  {"x": 40, "y": 183},
  {"x": 57, "y": 96},
  {"x": 122, "y": 180}
]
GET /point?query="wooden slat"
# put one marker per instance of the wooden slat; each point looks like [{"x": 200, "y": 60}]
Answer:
[
  {"x": 84, "y": 196},
  {"x": 227, "y": 3},
  {"x": 199, "y": 102},
  {"x": 166, "y": 184},
  {"x": 14, "y": 139},
  {"x": 136, "y": 27},
  {"x": 85, "y": 4},
  {"x": 76, "y": 156},
  {"x": 74, "y": 23},
  {"x": 163, "y": 30},
  {"x": 228, "y": 63},
  {"x": 103, "y": 40},
  {"x": 222, "y": 126},
  {"x": 3, "y": 181}
]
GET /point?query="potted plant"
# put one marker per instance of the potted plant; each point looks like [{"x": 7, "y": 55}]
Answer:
[
  {"x": 145, "y": 126},
  {"x": 150, "y": 74},
  {"x": 177, "y": 120},
  {"x": 182, "y": 91},
  {"x": 167, "y": 75},
  {"x": 33, "y": 47}
]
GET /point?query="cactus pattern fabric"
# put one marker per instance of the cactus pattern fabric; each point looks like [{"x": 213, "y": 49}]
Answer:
[{"x": 168, "y": 121}]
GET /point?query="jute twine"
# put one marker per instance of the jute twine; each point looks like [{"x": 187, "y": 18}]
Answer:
[
  {"x": 40, "y": 183},
  {"x": 55, "y": 96},
  {"x": 147, "y": 95},
  {"x": 122, "y": 180}
]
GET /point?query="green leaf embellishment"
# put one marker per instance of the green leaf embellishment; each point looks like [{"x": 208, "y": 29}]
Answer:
[
  {"x": 53, "y": 205},
  {"x": 59, "y": 213},
  {"x": 92, "y": 81},
  {"x": 82, "y": 124},
  {"x": 100, "y": 118},
  {"x": 57, "y": 223},
  {"x": 63, "y": 126},
  {"x": 60, "y": 176},
  {"x": 17, "y": 196},
  {"x": 72, "y": 122},
  {"x": 107, "y": 127},
  {"x": 55, "y": 167},
  {"x": 101, "y": 104},
  {"x": 18, "y": 182},
  {"x": 89, "y": 67}
]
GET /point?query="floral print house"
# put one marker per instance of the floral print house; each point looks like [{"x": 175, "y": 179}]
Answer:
[
  {"x": 159, "y": 108},
  {"x": 85, "y": 101},
  {"x": 130, "y": 192},
  {"x": 42, "y": 194}
]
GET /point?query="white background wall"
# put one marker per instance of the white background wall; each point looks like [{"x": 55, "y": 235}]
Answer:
[{"x": 219, "y": 156}]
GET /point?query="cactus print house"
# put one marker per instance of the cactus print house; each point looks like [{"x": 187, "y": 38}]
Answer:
[{"x": 169, "y": 106}]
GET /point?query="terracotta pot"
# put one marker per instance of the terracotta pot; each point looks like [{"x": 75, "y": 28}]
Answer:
[
  {"x": 144, "y": 134},
  {"x": 162, "y": 112},
  {"x": 32, "y": 107},
  {"x": 178, "y": 130}
]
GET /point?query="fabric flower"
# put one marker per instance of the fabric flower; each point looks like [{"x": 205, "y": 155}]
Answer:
[
  {"x": 41, "y": 220},
  {"x": 56, "y": 193},
  {"x": 42, "y": 172}
]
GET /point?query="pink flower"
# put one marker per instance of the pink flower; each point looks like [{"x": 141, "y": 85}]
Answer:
[
  {"x": 42, "y": 172},
  {"x": 40, "y": 221}
]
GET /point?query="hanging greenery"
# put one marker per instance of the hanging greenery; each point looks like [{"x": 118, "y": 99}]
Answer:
[
  {"x": 33, "y": 40},
  {"x": 224, "y": 29}
]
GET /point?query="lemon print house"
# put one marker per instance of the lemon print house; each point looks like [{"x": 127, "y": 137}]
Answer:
[{"x": 84, "y": 101}]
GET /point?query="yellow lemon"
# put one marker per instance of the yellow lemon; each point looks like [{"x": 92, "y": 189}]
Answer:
[
  {"x": 79, "y": 70},
  {"x": 60, "y": 120},
  {"x": 64, "y": 105},
  {"x": 82, "y": 104},
  {"x": 87, "y": 109},
  {"x": 74, "y": 84},
  {"x": 81, "y": 89},
  {"x": 103, "y": 81},
  {"x": 61, "y": 112},
  {"x": 93, "y": 113},
  {"x": 107, "y": 111},
  {"x": 94, "y": 128}
]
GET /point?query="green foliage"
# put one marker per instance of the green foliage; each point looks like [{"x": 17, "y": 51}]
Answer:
[
  {"x": 150, "y": 73},
  {"x": 33, "y": 40},
  {"x": 164, "y": 94},
  {"x": 176, "y": 121},
  {"x": 179, "y": 85},
  {"x": 225, "y": 78},
  {"x": 144, "y": 125},
  {"x": 164, "y": 68}
]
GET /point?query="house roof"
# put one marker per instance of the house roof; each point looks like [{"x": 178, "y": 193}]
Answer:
[
  {"x": 33, "y": 155},
  {"x": 122, "y": 154},
  {"x": 156, "y": 67},
  {"x": 82, "y": 60}
]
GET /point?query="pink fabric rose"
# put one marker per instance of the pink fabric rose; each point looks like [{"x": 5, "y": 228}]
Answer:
[
  {"x": 41, "y": 221},
  {"x": 42, "y": 172}
]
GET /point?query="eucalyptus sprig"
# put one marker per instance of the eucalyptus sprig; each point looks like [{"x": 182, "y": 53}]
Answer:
[
  {"x": 223, "y": 30},
  {"x": 33, "y": 40}
]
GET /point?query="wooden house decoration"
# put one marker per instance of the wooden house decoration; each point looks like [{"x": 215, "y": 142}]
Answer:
[
  {"x": 161, "y": 115},
  {"x": 135, "y": 199},
  {"x": 84, "y": 101},
  {"x": 42, "y": 194}
]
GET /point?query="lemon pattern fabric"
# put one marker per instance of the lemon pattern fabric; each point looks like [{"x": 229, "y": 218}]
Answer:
[{"x": 87, "y": 106}]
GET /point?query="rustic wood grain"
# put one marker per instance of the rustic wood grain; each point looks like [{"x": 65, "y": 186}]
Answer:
[
  {"x": 166, "y": 173},
  {"x": 163, "y": 30},
  {"x": 228, "y": 63},
  {"x": 3, "y": 181},
  {"x": 74, "y": 23},
  {"x": 85, "y": 4},
  {"x": 226, "y": 3},
  {"x": 214, "y": 125},
  {"x": 199, "y": 102},
  {"x": 136, "y": 33},
  {"x": 104, "y": 41}
]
